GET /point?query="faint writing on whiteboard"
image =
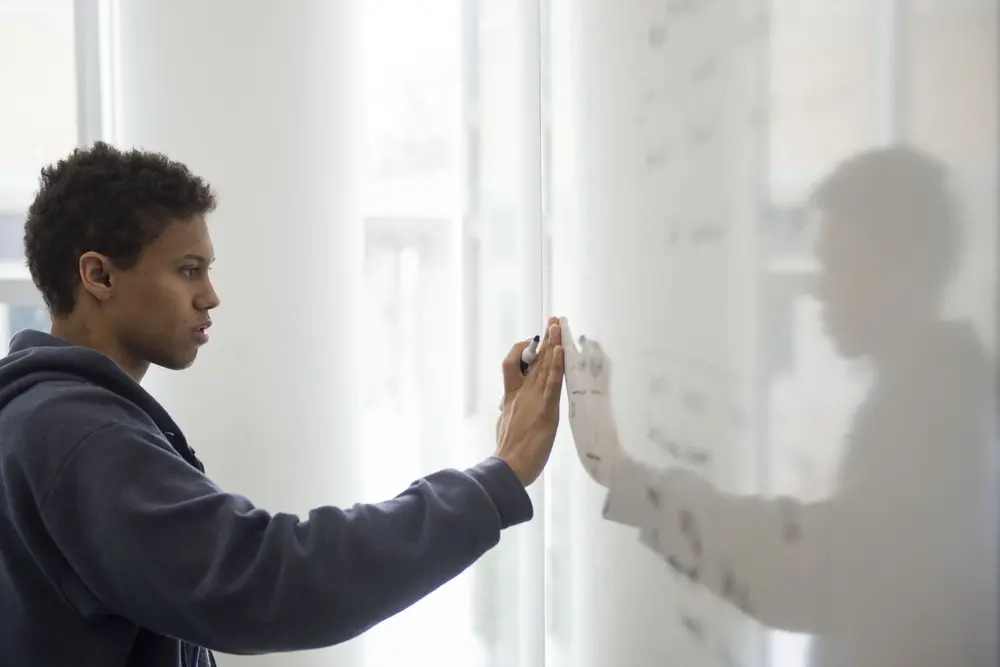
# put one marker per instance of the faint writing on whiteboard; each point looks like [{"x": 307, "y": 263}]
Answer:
[
  {"x": 695, "y": 626},
  {"x": 690, "y": 532},
  {"x": 791, "y": 522},
  {"x": 694, "y": 410},
  {"x": 735, "y": 592},
  {"x": 698, "y": 107},
  {"x": 689, "y": 454}
]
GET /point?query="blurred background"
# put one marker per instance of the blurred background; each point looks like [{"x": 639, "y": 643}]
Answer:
[{"x": 436, "y": 160}]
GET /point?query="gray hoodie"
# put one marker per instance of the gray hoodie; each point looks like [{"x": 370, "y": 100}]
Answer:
[{"x": 116, "y": 549}]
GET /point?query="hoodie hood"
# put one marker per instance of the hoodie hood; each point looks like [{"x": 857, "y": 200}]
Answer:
[{"x": 37, "y": 357}]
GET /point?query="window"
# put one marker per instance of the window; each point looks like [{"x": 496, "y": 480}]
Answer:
[
  {"x": 38, "y": 124},
  {"x": 38, "y": 77},
  {"x": 441, "y": 266},
  {"x": 16, "y": 318}
]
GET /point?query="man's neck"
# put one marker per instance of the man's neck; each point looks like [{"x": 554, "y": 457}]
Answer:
[
  {"x": 907, "y": 344},
  {"x": 76, "y": 331}
]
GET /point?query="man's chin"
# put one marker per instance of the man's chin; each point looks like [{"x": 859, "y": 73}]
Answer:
[
  {"x": 847, "y": 347},
  {"x": 178, "y": 362}
]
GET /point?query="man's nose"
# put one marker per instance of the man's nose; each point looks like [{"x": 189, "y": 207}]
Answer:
[
  {"x": 209, "y": 299},
  {"x": 814, "y": 286}
]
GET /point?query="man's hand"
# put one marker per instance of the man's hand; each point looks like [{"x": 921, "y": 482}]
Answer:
[{"x": 530, "y": 414}]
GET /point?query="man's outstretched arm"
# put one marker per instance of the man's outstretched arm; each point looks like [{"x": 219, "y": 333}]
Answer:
[
  {"x": 157, "y": 542},
  {"x": 160, "y": 544},
  {"x": 767, "y": 556}
]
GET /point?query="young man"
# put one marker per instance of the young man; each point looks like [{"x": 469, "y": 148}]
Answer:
[{"x": 115, "y": 547}]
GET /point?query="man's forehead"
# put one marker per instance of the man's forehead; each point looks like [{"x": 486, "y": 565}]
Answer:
[
  {"x": 185, "y": 237},
  {"x": 834, "y": 227}
]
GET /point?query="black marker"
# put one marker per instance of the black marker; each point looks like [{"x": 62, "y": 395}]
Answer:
[{"x": 529, "y": 354}]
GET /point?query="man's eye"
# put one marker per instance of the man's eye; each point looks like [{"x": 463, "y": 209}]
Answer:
[{"x": 190, "y": 271}]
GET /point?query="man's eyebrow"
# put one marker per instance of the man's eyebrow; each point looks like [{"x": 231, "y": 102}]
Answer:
[{"x": 201, "y": 259}]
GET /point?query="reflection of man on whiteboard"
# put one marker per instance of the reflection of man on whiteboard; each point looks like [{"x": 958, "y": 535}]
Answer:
[{"x": 898, "y": 568}]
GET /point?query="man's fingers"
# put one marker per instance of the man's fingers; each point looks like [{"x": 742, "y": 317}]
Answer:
[
  {"x": 555, "y": 332},
  {"x": 546, "y": 335},
  {"x": 540, "y": 368},
  {"x": 566, "y": 337},
  {"x": 553, "y": 336},
  {"x": 554, "y": 379},
  {"x": 512, "y": 378},
  {"x": 548, "y": 327}
]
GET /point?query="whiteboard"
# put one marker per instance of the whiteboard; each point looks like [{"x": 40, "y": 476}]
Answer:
[{"x": 716, "y": 505}]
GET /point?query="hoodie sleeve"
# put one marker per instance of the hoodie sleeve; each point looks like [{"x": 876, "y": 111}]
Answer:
[
  {"x": 783, "y": 545},
  {"x": 163, "y": 546}
]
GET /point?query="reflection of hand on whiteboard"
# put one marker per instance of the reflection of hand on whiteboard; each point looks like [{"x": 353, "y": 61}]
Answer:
[
  {"x": 763, "y": 555},
  {"x": 591, "y": 420},
  {"x": 633, "y": 497},
  {"x": 738, "y": 547}
]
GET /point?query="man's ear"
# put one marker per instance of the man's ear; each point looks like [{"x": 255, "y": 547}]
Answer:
[{"x": 96, "y": 275}]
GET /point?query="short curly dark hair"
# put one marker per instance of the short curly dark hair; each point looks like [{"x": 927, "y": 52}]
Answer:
[{"x": 104, "y": 200}]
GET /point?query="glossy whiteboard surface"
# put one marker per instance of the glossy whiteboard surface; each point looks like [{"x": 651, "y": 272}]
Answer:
[{"x": 774, "y": 242}]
